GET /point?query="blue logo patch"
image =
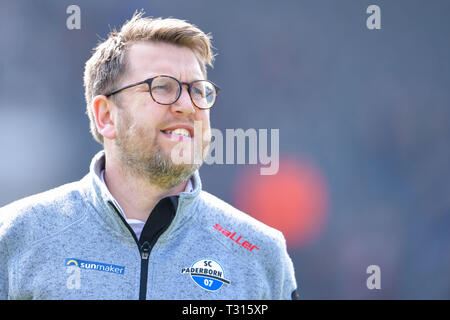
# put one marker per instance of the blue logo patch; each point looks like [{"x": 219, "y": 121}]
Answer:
[
  {"x": 91, "y": 265},
  {"x": 207, "y": 274}
]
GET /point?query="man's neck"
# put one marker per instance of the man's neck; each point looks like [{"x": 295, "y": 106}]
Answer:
[{"x": 136, "y": 196}]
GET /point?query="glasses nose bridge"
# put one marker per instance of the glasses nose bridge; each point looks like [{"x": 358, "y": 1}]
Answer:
[{"x": 189, "y": 85}]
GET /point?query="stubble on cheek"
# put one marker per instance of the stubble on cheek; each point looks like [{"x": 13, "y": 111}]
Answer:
[
  {"x": 142, "y": 156},
  {"x": 134, "y": 147}
]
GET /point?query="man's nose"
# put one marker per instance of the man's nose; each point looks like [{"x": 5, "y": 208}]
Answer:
[{"x": 184, "y": 102}]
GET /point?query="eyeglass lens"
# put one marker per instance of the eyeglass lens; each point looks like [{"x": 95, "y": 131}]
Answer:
[{"x": 166, "y": 90}]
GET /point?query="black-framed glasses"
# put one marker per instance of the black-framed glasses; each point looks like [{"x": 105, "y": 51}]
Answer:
[{"x": 167, "y": 90}]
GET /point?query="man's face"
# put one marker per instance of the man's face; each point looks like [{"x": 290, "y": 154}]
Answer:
[{"x": 142, "y": 141}]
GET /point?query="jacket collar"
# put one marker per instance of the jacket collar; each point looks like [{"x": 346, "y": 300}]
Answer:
[{"x": 100, "y": 198}]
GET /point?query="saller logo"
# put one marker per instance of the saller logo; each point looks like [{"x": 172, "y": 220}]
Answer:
[
  {"x": 207, "y": 274},
  {"x": 245, "y": 244}
]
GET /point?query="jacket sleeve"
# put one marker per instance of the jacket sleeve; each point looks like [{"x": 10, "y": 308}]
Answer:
[
  {"x": 290, "y": 289},
  {"x": 3, "y": 281},
  {"x": 3, "y": 264},
  {"x": 286, "y": 284}
]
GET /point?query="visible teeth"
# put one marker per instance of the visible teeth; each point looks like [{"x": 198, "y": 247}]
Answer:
[{"x": 180, "y": 132}]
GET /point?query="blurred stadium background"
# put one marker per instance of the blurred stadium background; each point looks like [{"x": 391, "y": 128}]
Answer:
[{"x": 363, "y": 115}]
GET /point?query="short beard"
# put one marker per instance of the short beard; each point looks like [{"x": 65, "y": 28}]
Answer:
[{"x": 149, "y": 162}]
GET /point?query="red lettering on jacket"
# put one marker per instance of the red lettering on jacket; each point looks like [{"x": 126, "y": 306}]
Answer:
[{"x": 238, "y": 239}]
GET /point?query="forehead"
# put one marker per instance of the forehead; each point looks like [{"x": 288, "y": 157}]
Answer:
[{"x": 146, "y": 59}]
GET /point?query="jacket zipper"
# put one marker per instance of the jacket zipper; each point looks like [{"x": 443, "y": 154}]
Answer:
[{"x": 144, "y": 251}]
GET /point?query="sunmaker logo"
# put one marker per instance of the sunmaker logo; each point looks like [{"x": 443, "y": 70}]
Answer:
[{"x": 91, "y": 265}]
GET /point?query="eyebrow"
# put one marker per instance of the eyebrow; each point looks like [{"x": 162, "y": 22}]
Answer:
[{"x": 171, "y": 75}]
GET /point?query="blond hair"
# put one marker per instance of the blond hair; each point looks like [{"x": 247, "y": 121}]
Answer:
[{"x": 108, "y": 62}]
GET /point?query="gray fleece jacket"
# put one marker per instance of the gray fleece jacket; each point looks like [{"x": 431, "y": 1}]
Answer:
[{"x": 71, "y": 242}]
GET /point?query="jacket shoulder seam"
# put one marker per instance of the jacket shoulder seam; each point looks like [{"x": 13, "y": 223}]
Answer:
[{"x": 45, "y": 238}]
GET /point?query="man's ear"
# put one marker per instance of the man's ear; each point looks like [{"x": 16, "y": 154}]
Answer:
[{"x": 104, "y": 117}]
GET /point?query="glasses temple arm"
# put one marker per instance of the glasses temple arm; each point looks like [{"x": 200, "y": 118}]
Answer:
[{"x": 126, "y": 87}]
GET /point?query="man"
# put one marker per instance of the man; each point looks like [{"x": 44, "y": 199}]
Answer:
[{"x": 139, "y": 225}]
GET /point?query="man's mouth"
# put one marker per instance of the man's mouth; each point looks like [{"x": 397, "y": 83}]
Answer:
[
  {"x": 177, "y": 134},
  {"x": 179, "y": 131}
]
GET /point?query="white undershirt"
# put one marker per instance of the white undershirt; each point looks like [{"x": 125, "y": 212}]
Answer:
[{"x": 135, "y": 224}]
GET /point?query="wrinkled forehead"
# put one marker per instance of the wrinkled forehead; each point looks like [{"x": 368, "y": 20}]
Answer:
[{"x": 146, "y": 59}]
